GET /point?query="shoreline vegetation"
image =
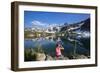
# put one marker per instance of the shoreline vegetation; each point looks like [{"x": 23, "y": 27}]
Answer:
[{"x": 38, "y": 54}]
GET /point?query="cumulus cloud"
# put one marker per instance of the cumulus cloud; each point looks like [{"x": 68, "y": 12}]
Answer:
[{"x": 38, "y": 23}]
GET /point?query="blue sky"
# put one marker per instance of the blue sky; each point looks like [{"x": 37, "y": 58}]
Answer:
[{"x": 32, "y": 18}]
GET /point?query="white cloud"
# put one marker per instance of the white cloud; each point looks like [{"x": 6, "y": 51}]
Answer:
[{"x": 38, "y": 23}]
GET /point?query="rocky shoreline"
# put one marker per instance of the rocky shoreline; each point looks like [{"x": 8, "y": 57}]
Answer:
[{"x": 32, "y": 55}]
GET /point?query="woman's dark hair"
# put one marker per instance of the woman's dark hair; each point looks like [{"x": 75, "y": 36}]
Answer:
[{"x": 57, "y": 44}]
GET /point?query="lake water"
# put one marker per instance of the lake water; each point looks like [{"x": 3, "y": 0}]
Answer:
[{"x": 49, "y": 45}]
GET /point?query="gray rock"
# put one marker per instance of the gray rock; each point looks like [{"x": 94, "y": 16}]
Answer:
[
  {"x": 81, "y": 57},
  {"x": 48, "y": 57},
  {"x": 40, "y": 56},
  {"x": 61, "y": 58}
]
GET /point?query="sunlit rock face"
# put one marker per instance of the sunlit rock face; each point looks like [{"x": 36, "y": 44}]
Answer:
[
  {"x": 86, "y": 34},
  {"x": 82, "y": 26},
  {"x": 81, "y": 29},
  {"x": 85, "y": 29}
]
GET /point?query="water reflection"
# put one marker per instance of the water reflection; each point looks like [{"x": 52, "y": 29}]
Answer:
[{"x": 71, "y": 45}]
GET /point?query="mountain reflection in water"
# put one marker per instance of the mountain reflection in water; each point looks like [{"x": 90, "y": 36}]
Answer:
[{"x": 76, "y": 45}]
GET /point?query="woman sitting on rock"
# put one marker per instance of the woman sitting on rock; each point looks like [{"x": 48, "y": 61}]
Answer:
[{"x": 58, "y": 51}]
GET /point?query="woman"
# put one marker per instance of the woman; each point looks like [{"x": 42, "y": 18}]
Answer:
[{"x": 58, "y": 51}]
